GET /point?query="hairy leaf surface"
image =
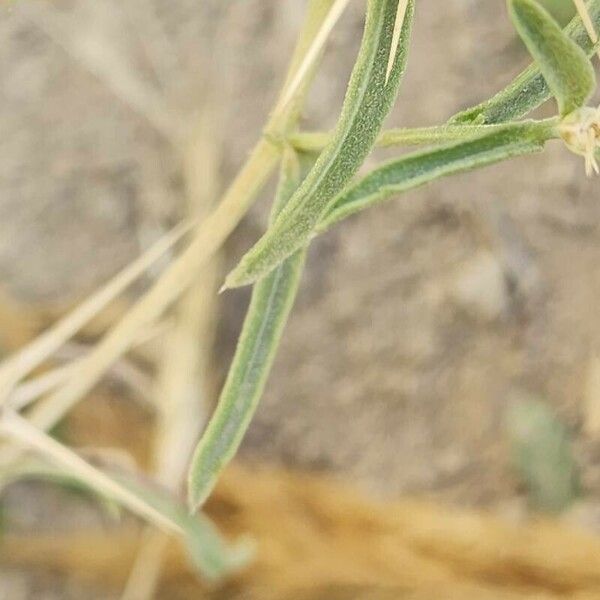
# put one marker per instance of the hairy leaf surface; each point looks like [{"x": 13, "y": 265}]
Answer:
[
  {"x": 564, "y": 65},
  {"x": 419, "y": 168},
  {"x": 368, "y": 100},
  {"x": 270, "y": 305},
  {"x": 527, "y": 91}
]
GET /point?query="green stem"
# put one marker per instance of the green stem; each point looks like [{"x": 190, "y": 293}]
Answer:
[
  {"x": 314, "y": 141},
  {"x": 419, "y": 168}
]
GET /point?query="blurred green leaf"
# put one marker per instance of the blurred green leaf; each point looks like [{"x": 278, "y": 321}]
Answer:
[
  {"x": 210, "y": 554},
  {"x": 542, "y": 455},
  {"x": 31, "y": 467}
]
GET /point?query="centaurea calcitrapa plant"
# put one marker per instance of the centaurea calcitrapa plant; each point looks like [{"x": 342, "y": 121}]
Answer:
[
  {"x": 318, "y": 187},
  {"x": 313, "y": 197}
]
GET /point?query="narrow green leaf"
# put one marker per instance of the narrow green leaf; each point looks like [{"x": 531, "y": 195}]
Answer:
[
  {"x": 368, "y": 100},
  {"x": 529, "y": 89},
  {"x": 270, "y": 305},
  {"x": 542, "y": 454},
  {"x": 419, "y": 168},
  {"x": 564, "y": 65}
]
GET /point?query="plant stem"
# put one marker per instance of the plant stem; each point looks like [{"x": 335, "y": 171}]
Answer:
[
  {"x": 424, "y": 166},
  {"x": 313, "y": 52},
  {"x": 313, "y": 141}
]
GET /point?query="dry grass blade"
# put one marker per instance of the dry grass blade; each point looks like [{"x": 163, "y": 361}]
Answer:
[
  {"x": 182, "y": 385},
  {"x": 183, "y": 377},
  {"x": 23, "y": 362},
  {"x": 26, "y": 393},
  {"x": 145, "y": 574},
  {"x": 175, "y": 280},
  {"x": 124, "y": 371},
  {"x": 208, "y": 552},
  {"x": 311, "y": 56},
  {"x": 22, "y": 432},
  {"x": 156, "y": 43}
]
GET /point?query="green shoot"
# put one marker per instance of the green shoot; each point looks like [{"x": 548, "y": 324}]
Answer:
[{"x": 308, "y": 202}]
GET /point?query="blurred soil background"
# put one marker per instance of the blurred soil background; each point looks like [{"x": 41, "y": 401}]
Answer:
[{"x": 418, "y": 323}]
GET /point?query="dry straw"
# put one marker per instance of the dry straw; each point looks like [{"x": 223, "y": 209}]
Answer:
[{"x": 318, "y": 188}]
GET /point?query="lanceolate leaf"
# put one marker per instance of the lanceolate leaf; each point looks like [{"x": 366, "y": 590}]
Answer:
[
  {"x": 271, "y": 302},
  {"x": 418, "y": 168},
  {"x": 368, "y": 100},
  {"x": 564, "y": 65},
  {"x": 529, "y": 89}
]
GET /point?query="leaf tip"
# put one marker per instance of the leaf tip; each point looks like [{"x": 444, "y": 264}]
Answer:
[
  {"x": 250, "y": 268},
  {"x": 564, "y": 65},
  {"x": 197, "y": 493},
  {"x": 234, "y": 280}
]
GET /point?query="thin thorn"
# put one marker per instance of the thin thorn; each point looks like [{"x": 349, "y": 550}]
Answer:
[{"x": 400, "y": 15}]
